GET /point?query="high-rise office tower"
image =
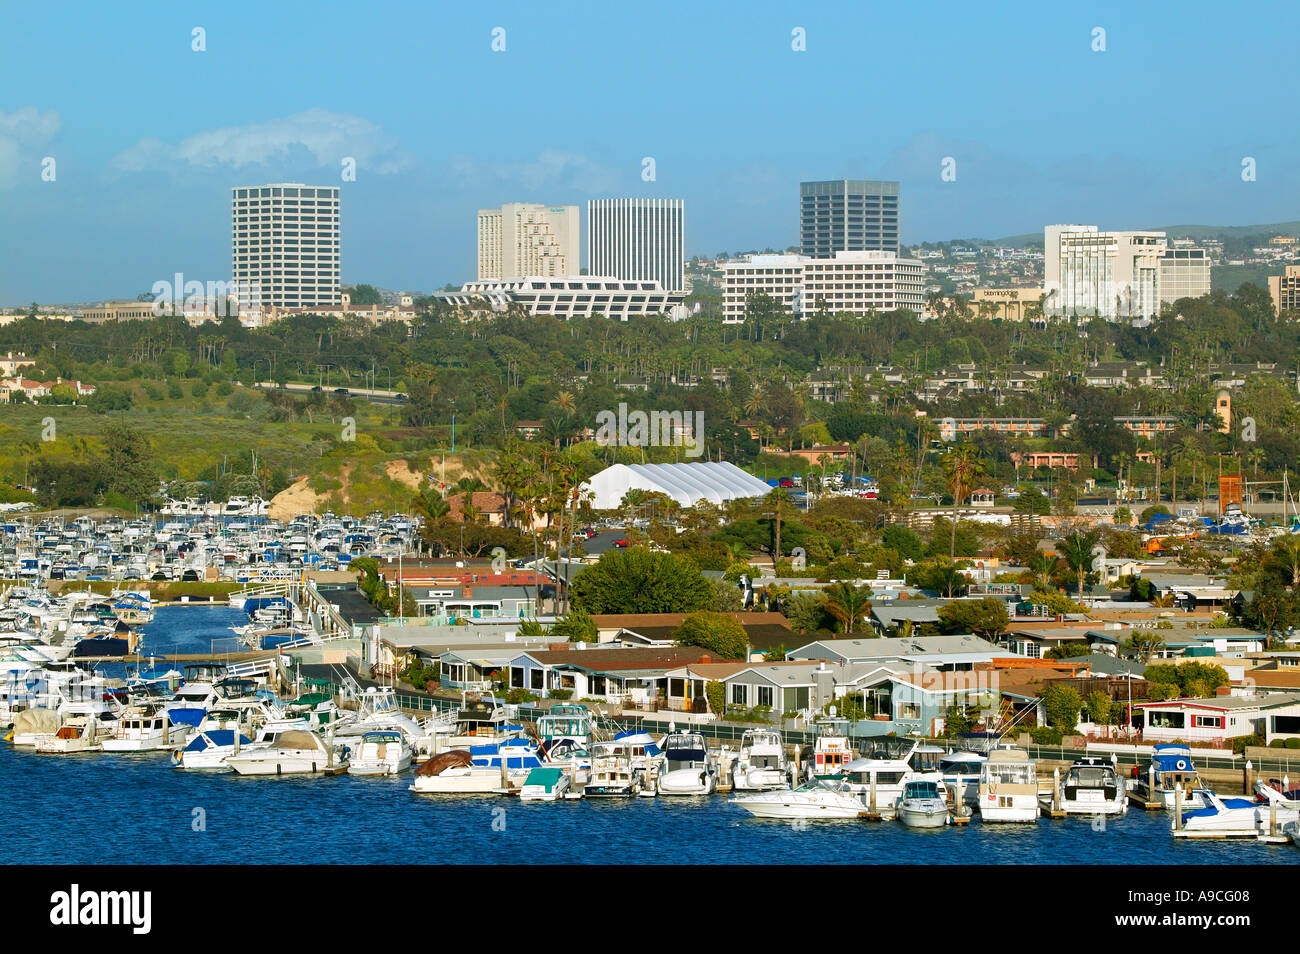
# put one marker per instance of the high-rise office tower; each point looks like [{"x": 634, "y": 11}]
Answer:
[
  {"x": 848, "y": 215},
  {"x": 285, "y": 243},
  {"x": 523, "y": 239},
  {"x": 638, "y": 239},
  {"x": 1087, "y": 272}
]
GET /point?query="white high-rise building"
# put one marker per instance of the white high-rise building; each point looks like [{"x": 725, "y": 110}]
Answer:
[
  {"x": 285, "y": 243},
  {"x": 638, "y": 239},
  {"x": 1110, "y": 275},
  {"x": 525, "y": 239},
  {"x": 856, "y": 283},
  {"x": 1184, "y": 273}
]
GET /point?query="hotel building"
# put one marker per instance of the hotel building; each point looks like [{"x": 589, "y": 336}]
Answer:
[
  {"x": 522, "y": 239},
  {"x": 1104, "y": 274},
  {"x": 1285, "y": 289}
]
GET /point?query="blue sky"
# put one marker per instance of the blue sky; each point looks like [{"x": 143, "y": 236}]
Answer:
[{"x": 149, "y": 135}]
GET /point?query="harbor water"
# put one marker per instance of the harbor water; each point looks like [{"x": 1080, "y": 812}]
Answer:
[{"x": 138, "y": 809}]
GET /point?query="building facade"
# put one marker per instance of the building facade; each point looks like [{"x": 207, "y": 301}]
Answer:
[
  {"x": 638, "y": 240},
  {"x": 1012, "y": 304},
  {"x": 1184, "y": 273},
  {"x": 1090, "y": 273},
  {"x": 285, "y": 243},
  {"x": 570, "y": 296},
  {"x": 857, "y": 283},
  {"x": 848, "y": 215},
  {"x": 1285, "y": 290},
  {"x": 523, "y": 239}
]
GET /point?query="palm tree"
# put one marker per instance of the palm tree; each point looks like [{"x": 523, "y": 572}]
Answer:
[
  {"x": 1044, "y": 567},
  {"x": 962, "y": 466},
  {"x": 847, "y": 603},
  {"x": 1077, "y": 549}
]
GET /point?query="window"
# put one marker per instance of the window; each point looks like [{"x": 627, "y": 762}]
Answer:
[
  {"x": 1207, "y": 722},
  {"x": 536, "y": 677},
  {"x": 676, "y": 688},
  {"x": 765, "y": 696},
  {"x": 739, "y": 696},
  {"x": 516, "y": 677}
]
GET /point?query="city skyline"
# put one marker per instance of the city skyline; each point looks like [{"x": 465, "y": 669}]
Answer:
[{"x": 143, "y": 168}]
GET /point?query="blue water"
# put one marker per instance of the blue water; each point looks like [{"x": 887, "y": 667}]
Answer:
[{"x": 100, "y": 808}]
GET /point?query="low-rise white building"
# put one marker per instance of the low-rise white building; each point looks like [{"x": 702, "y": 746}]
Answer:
[
  {"x": 569, "y": 296},
  {"x": 857, "y": 283}
]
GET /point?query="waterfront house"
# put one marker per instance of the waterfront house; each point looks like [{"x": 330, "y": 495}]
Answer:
[
  {"x": 939, "y": 652},
  {"x": 625, "y": 675},
  {"x": 1218, "y": 719}
]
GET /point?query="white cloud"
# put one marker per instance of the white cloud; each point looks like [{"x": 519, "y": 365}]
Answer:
[
  {"x": 552, "y": 169},
  {"x": 328, "y": 137},
  {"x": 22, "y": 133}
]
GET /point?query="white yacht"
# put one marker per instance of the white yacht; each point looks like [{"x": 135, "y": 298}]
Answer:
[
  {"x": 381, "y": 752},
  {"x": 761, "y": 764},
  {"x": 145, "y": 729},
  {"x": 1091, "y": 786},
  {"x": 78, "y": 733},
  {"x": 209, "y": 748},
  {"x": 291, "y": 752},
  {"x": 627, "y": 765},
  {"x": 546, "y": 784},
  {"x": 831, "y": 749},
  {"x": 1239, "y": 816},
  {"x": 923, "y": 805},
  {"x": 688, "y": 768},
  {"x": 961, "y": 772},
  {"x": 1169, "y": 770},
  {"x": 821, "y": 797},
  {"x": 1008, "y": 789}
]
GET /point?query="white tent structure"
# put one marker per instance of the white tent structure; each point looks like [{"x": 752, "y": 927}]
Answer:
[{"x": 714, "y": 481}]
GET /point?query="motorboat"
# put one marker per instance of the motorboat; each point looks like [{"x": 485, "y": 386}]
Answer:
[
  {"x": 547, "y": 784},
  {"x": 960, "y": 772},
  {"x": 486, "y": 769},
  {"x": 923, "y": 805},
  {"x": 381, "y": 752},
  {"x": 145, "y": 729},
  {"x": 1092, "y": 786},
  {"x": 1171, "y": 768},
  {"x": 208, "y": 749},
  {"x": 761, "y": 764},
  {"x": 1239, "y": 816},
  {"x": 291, "y": 752},
  {"x": 1008, "y": 790},
  {"x": 687, "y": 767},
  {"x": 78, "y": 733},
  {"x": 821, "y": 797},
  {"x": 831, "y": 749},
  {"x": 625, "y": 766}
]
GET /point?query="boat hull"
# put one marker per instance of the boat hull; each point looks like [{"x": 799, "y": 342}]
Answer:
[
  {"x": 767, "y": 806},
  {"x": 924, "y": 815}
]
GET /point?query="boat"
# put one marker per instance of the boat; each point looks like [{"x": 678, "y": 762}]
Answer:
[
  {"x": 831, "y": 749},
  {"x": 381, "y": 752},
  {"x": 486, "y": 769},
  {"x": 1008, "y": 789},
  {"x": 1092, "y": 786},
  {"x": 1170, "y": 768},
  {"x": 625, "y": 766},
  {"x": 77, "y": 733},
  {"x": 145, "y": 729},
  {"x": 923, "y": 805},
  {"x": 761, "y": 764},
  {"x": 687, "y": 768},
  {"x": 291, "y": 752},
  {"x": 547, "y": 784},
  {"x": 1239, "y": 816},
  {"x": 960, "y": 772},
  {"x": 821, "y": 797},
  {"x": 208, "y": 749}
]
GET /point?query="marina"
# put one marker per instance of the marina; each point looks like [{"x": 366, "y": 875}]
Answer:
[{"x": 313, "y": 770}]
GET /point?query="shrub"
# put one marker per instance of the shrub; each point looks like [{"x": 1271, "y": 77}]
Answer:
[
  {"x": 1046, "y": 735},
  {"x": 562, "y": 694}
]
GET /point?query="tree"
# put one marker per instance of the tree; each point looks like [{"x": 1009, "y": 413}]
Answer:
[
  {"x": 1071, "y": 650},
  {"x": 716, "y": 632},
  {"x": 639, "y": 580},
  {"x": 807, "y": 613},
  {"x": 987, "y": 617},
  {"x": 1061, "y": 704},
  {"x": 576, "y": 627},
  {"x": 962, "y": 467},
  {"x": 129, "y": 465},
  {"x": 1077, "y": 549},
  {"x": 849, "y": 604},
  {"x": 1099, "y": 707}
]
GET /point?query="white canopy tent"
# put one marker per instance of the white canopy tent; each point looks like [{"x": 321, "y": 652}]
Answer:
[{"x": 714, "y": 481}]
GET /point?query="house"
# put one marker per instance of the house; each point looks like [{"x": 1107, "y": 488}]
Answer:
[
  {"x": 937, "y": 652},
  {"x": 1221, "y": 718},
  {"x": 686, "y": 685},
  {"x": 529, "y": 430},
  {"x": 11, "y": 362},
  {"x": 625, "y": 675},
  {"x": 834, "y": 453},
  {"x": 781, "y": 687},
  {"x": 646, "y": 627}
]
